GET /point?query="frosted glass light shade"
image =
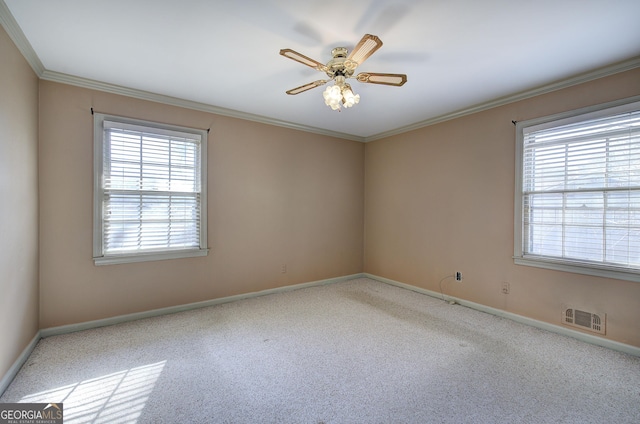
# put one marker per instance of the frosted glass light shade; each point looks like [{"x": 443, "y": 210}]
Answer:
[
  {"x": 348, "y": 98},
  {"x": 332, "y": 97}
]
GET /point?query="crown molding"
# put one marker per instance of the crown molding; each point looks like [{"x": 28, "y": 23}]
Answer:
[
  {"x": 558, "y": 85},
  {"x": 159, "y": 98},
  {"x": 17, "y": 36},
  {"x": 12, "y": 28},
  {"x": 174, "y": 101},
  {"x": 188, "y": 104}
]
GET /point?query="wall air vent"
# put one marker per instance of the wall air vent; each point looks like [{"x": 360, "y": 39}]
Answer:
[{"x": 590, "y": 321}]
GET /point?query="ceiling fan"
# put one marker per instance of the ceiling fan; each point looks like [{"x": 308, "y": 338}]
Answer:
[{"x": 341, "y": 67}]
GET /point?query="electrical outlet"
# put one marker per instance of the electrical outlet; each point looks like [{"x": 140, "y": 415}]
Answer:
[
  {"x": 458, "y": 276},
  {"x": 506, "y": 288},
  {"x": 283, "y": 269}
]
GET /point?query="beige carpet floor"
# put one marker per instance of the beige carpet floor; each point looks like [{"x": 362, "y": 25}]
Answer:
[{"x": 359, "y": 351}]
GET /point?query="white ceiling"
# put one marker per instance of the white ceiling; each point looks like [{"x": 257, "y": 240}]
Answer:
[{"x": 457, "y": 54}]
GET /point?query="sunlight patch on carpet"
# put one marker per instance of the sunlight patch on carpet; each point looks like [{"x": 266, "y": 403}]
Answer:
[{"x": 119, "y": 397}]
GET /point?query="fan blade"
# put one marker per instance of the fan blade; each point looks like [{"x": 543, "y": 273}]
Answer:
[
  {"x": 365, "y": 48},
  {"x": 306, "y": 87},
  {"x": 386, "y": 79},
  {"x": 292, "y": 54}
]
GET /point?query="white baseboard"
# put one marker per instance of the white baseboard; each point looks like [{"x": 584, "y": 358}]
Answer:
[
  {"x": 13, "y": 371},
  {"x": 588, "y": 338},
  {"x": 64, "y": 329}
]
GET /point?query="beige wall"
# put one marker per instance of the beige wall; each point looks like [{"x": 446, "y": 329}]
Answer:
[
  {"x": 276, "y": 196},
  {"x": 441, "y": 199},
  {"x": 18, "y": 203}
]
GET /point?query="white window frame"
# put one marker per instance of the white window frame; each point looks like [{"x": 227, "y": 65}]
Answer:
[
  {"x": 99, "y": 257},
  {"x": 559, "y": 264}
]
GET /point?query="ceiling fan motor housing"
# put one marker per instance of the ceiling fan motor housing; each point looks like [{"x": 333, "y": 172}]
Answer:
[{"x": 340, "y": 65}]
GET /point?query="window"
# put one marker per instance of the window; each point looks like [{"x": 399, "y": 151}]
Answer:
[
  {"x": 149, "y": 191},
  {"x": 578, "y": 191}
]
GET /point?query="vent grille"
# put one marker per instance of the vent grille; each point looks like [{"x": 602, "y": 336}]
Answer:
[{"x": 591, "y": 321}]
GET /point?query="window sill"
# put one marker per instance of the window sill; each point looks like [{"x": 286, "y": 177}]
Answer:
[
  {"x": 594, "y": 270},
  {"x": 146, "y": 257}
]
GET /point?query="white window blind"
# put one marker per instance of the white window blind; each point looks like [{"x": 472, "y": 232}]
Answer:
[
  {"x": 150, "y": 197},
  {"x": 580, "y": 190}
]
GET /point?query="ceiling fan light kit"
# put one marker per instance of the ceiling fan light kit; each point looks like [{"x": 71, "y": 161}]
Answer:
[
  {"x": 341, "y": 67},
  {"x": 341, "y": 92}
]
